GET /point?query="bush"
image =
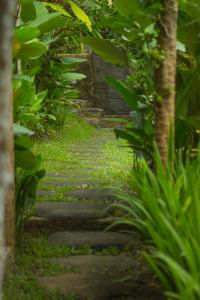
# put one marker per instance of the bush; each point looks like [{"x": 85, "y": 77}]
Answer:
[{"x": 166, "y": 210}]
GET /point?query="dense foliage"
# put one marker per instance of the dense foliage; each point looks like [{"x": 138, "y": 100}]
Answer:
[
  {"x": 165, "y": 208},
  {"x": 139, "y": 40},
  {"x": 43, "y": 86}
]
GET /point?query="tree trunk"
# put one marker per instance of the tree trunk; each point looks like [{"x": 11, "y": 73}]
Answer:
[
  {"x": 7, "y": 10},
  {"x": 166, "y": 76}
]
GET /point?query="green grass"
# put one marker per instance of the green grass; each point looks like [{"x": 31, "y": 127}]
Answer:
[
  {"x": 117, "y": 120},
  {"x": 56, "y": 146},
  {"x": 111, "y": 168}
]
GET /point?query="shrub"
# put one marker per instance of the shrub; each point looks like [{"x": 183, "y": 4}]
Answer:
[{"x": 166, "y": 210}]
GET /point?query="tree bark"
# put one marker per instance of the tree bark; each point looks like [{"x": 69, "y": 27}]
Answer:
[
  {"x": 166, "y": 76},
  {"x": 7, "y": 10}
]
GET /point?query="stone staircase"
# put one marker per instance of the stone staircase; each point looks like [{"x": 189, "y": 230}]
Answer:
[{"x": 115, "y": 270}]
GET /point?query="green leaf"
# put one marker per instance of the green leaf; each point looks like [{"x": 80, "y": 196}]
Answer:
[
  {"x": 26, "y": 33},
  {"x": 41, "y": 9},
  {"x": 73, "y": 76},
  {"x": 28, "y": 12},
  {"x": 25, "y": 159},
  {"x": 23, "y": 77},
  {"x": 180, "y": 46},
  {"x": 107, "y": 50},
  {"x": 32, "y": 50},
  {"x": 25, "y": 2},
  {"x": 58, "y": 8},
  {"x": 129, "y": 96},
  {"x": 126, "y": 7},
  {"x": 70, "y": 61},
  {"x": 49, "y": 22},
  {"x": 20, "y": 130},
  {"x": 81, "y": 15},
  {"x": 23, "y": 143}
]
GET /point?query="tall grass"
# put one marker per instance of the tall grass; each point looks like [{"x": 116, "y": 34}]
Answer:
[{"x": 166, "y": 210}]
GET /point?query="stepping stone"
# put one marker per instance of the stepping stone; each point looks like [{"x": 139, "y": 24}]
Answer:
[
  {"x": 91, "y": 157},
  {"x": 98, "y": 194},
  {"x": 88, "y": 152},
  {"x": 93, "y": 239},
  {"x": 45, "y": 194},
  {"x": 65, "y": 216},
  {"x": 87, "y": 171},
  {"x": 70, "y": 176},
  {"x": 102, "y": 279},
  {"x": 59, "y": 183},
  {"x": 56, "y": 211},
  {"x": 97, "y": 263}
]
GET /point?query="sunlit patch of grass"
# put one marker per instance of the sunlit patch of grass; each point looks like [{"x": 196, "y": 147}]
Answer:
[
  {"x": 117, "y": 120},
  {"x": 109, "y": 166},
  {"x": 75, "y": 129}
]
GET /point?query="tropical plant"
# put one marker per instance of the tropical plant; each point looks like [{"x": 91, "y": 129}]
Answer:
[
  {"x": 187, "y": 103},
  {"x": 59, "y": 78},
  {"x": 28, "y": 173},
  {"x": 43, "y": 81},
  {"x": 141, "y": 40},
  {"x": 42, "y": 86},
  {"x": 165, "y": 210}
]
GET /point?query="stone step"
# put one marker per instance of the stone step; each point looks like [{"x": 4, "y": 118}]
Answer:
[
  {"x": 94, "y": 194},
  {"x": 69, "y": 183},
  {"x": 68, "y": 216},
  {"x": 70, "y": 176},
  {"x": 103, "y": 278},
  {"x": 45, "y": 194},
  {"x": 94, "y": 239}
]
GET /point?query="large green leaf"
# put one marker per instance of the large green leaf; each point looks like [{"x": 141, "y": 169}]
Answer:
[
  {"x": 21, "y": 130},
  {"x": 24, "y": 92},
  {"x": 106, "y": 49},
  {"x": 32, "y": 50},
  {"x": 129, "y": 96},
  {"x": 71, "y": 61},
  {"x": 25, "y": 159},
  {"x": 73, "y": 76},
  {"x": 23, "y": 77},
  {"x": 58, "y": 8},
  {"x": 25, "y": 2},
  {"x": 41, "y": 9},
  {"x": 126, "y": 7},
  {"x": 26, "y": 33},
  {"x": 49, "y": 22},
  {"x": 81, "y": 15},
  {"x": 28, "y": 12},
  {"x": 23, "y": 143}
]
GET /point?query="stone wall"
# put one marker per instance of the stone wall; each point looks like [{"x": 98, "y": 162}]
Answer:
[{"x": 95, "y": 89}]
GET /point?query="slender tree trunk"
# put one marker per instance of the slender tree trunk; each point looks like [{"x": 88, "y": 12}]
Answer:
[
  {"x": 7, "y": 9},
  {"x": 166, "y": 76}
]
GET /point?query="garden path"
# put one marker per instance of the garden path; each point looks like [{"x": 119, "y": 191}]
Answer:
[{"x": 113, "y": 269}]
